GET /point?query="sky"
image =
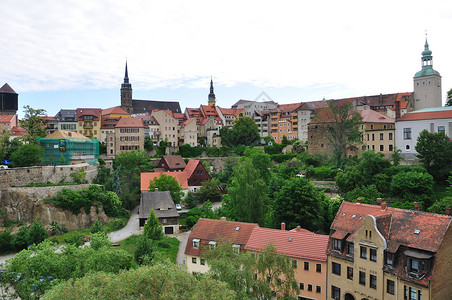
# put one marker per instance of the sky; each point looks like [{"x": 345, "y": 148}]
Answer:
[{"x": 66, "y": 54}]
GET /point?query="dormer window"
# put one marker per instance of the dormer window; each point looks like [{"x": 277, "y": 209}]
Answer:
[
  {"x": 196, "y": 243},
  {"x": 389, "y": 259},
  {"x": 417, "y": 263},
  {"x": 337, "y": 245},
  {"x": 350, "y": 249},
  {"x": 212, "y": 245}
]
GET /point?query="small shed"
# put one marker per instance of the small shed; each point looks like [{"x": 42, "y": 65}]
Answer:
[{"x": 164, "y": 208}]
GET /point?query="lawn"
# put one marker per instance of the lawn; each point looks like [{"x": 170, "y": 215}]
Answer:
[{"x": 167, "y": 246}]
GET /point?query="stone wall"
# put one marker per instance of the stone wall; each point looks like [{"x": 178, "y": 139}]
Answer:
[
  {"x": 43, "y": 174},
  {"x": 27, "y": 204}
]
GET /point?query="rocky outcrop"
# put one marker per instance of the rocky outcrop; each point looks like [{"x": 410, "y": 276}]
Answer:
[{"x": 27, "y": 204}]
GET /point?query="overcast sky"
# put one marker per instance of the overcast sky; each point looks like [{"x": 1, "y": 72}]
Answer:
[{"x": 68, "y": 54}]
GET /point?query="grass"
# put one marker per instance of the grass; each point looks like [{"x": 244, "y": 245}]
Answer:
[{"x": 167, "y": 247}]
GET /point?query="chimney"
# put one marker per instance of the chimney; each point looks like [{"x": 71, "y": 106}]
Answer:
[
  {"x": 447, "y": 211},
  {"x": 397, "y": 110},
  {"x": 223, "y": 219},
  {"x": 416, "y": 206},
  {"x": 283, "y": 226},
  {"x": 383, "y": 205},
  {"x": 156, "y": 190},
  {"x": 298, "y": 227},
  {"x": 358, "y": 200},
  {"x": 379, "y": 200}
]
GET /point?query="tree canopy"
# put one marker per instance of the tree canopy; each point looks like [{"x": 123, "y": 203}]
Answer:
[
  {"x": 167, "y": 183},
  {"x": 34, "y": 122},
  {"x": 449, "y": 98},
  {"x": 244, "y": 132},
  {"x": 27, "y": 155}
]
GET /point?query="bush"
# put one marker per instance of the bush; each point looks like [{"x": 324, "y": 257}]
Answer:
[
  {"x": 57, "y": 228},
  {"x": 97, "y": 227},
  {"x": 212, "y": 151},
  {"x": 325, "y": 172},
  {"x": 407, "y": 184},
  {"x": 79, "y": 176},
  {"x": 6, "y": 242},
  {"x": 144, "y": 251},
  {"x": 280, "y": 158},
  {"x": 274, "y": 149}
]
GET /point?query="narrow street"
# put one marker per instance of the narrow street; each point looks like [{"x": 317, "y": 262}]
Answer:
[{"x": 130, "y": 229}]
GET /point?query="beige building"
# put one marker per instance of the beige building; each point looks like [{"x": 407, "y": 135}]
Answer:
[
  {"x": 128, "y": 135},
  {"x": 378, "y": 132},
  {"x": 379, "y": 252},
  {"x": 189, "y": 132},
  {"x": 169, "y": 126}
]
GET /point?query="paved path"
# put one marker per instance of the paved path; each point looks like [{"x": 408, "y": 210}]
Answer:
[
  {"x": 3, "y": 258},
  {"x": 132, "y": 227},
  {"x": 182, "y": 237}
]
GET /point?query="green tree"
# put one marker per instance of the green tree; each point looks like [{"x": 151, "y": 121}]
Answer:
[
  {"x": 28, "y": 155},
  {"x": 144, "y": 251},
  {"x": 261, "y": 162},
  {"x": 103, "y": 176},
  {"x": 130, "y": 164},
  {"x": 167, "y": 183},
  {"x": 396, "y": 157},
  {"x": 412, "y": 186},
  {"x": 435, "y": 153},
  {"x": 160, "y": 281},
  {"x": 97, "y": 227},
  {"x": 209, "y": 191},
  {"x": 247, "y": 193},
  {"x": 244, "y": 132},
  {"x": 343, "y": 127},
  {"x": 37, "y": 233},
  {"x": 152, "y": 229},
  {"x": 449, "y": 98},
  {"x": 34, "y": 122},
  {"x": 190, "y": 200},
  {"x": 299, "y": 203},
  {"x": 100, "y": 239},
  {"x": 148, "y": 144}
]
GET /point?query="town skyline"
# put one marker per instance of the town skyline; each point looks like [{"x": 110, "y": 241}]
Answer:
[{"x": 56, "y": 58}]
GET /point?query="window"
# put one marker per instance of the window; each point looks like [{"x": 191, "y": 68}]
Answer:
[
  {"x": 381, "y": 136},
  {"x": 363, "y": 252},
  {"x": 391, "y": 147},
  {"x": 212, "y": 245},
  {"x": 390, "y": 136},
  {"x": 196, "y": 243},
  {"x": 373, "y": 137},
  {"x": 390, "y": 287},
  {"x": 236, "y": 248},
  {"x": 294, "y": 263},
  {"x": 350, "y": 249},
  {"x": 390, "y": 259},
  {"x": 318, "y": 268},
  {"x": 309, "y": 287},
  {"x": 362, "y": 278},
  {"x": 441, "y": 129},
  {"x": 193, "y": 260},
  {"x": 373, "y": 281},
  {"x": 337, "y": 245},
  {"x": 371, "y": 126},
  {"x": 335, "y": 292},
  {"x": 382, "y": 148},
  {"x": 336, "y": 268},
  {"x": 306, "y": 266},
  {"x": 203, "y": 262},
  {"x": 373, "y": 254},
  {"x": 412, "y": 293},
  {"x": 407, "y": 133},
  {"x": 350, "y": 273},
  {"x": 318, "y": 289},
  {"x": 301, "y": 286}
]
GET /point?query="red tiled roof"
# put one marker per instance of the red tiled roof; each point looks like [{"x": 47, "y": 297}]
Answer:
[
  {"x": 372, "y": 116},
  {"x": 217, "y": 230},
  {"x": 428, "y": 115},
  {"x": 179, "y": 115},
  {"x": 6, "y": 118},
  {"x": 230, "y": 111},
  {"x": 188, "y": 121},
  {"x": 294, "y": 244},
  {"x": 130, "y": 122},
  {"x": 96, "y": 112},
  {"x": 205, "y": 120},
  {"x": 114, "y": 110},
  {"x": 191, "y": 166},
  {"x": 18, "y": 131},
  {"x": 174, "y": 161},
  {"x": 181, "y": 177},
  {"x": 402, "y": 224},
  {"x": 288, "y": 107}
]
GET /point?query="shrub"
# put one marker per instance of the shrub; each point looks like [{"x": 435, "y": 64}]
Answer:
[
  {"x": 79, "y": 176},
  {"x": 144, "y": 251},
  {"x": 6, "y": 242},
  {"x": 274, "y": 149},
  {"x": 97, "y": 227},
  {"x": 325, "y": 172},
  {"x": 279, "y": 158}
]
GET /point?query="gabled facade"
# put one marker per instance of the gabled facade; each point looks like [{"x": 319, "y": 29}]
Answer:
[
  {"x": 306, "y": 112},
  {"x": 410, "y": 125},
  {"x": 379, "y": 252},
  {"x": 89, "y": 121},
  {"x": 169, "y": 126},
  {"x": 110, "y": 117},
  {"x": 67, "y": 119},
  {"x": 207, "y": 233},
  {"x": 189, "y": 132},
  {"x": 128, "y": 135},
  {"x": 378, "y": 132},
  {"x": 164, "y": 208},
  {"x": 171, "y": 163},
  {"x": 196, "y": 173},
  {"x": 307, "y": 252},
  {"x": 8, "y": 122},
  {"x": 228, "y": 115}
]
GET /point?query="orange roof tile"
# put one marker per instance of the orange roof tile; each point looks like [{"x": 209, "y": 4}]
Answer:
[
  {"x": 117, "y": 110},
  {"x": 130, "y": 122},
  {"x": 191, "y": 166},
  {"x": 96, "y": 112},
  {"x": 181, "y": 177},
  {"x": 6, "y": 118},
  {"x": 217, "y": 230},
  {"x": 301, "y": 244},
  {"x": 372, "y": 116},
  {"x": 174, "y": 161},
  {"x": 428, "y": 115}
]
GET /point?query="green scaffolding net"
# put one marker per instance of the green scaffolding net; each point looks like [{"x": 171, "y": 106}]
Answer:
[{"x": 64, "y": 151}]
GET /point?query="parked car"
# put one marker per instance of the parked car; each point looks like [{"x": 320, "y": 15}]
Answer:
[{"x": 178, "y": 207}]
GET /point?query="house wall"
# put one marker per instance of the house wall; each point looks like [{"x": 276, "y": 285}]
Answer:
[
  {"x": 408, "y": 145},
  {"x": 427, "y": 92},
  {"x": 441, "y": 286},
  {"x": 318, "y": 139},
  {"x": 190, "y": 132},
  {"x": 311, "y": 277},
  {"x": 377, "y": 136},
  {"x": 282, "y": 124},
  {"x": 304, "y": 117},
  {"x": 168, "y": 126},
  {"x": 199, "y": 176},
  {"x": 195, "y": 267},
  {"x": 127, "y": 139}
]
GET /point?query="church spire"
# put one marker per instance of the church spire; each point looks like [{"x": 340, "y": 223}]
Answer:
[
  {"x": 126, "y": 76},
  {"x": 212, "y": 94},
  {"x": 126, "y": 93}
]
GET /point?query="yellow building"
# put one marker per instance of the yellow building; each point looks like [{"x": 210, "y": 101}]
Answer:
[
  {"x": 379, "y": 252},
  {"x": 378, "y": 132},
  {"x": 169, "y": 126},
  {"x": 305, "y": 249},
  {"x": 89, "y": 122}
]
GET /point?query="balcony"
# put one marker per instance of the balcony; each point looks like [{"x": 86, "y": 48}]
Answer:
[{"x": 87, "y": 125}]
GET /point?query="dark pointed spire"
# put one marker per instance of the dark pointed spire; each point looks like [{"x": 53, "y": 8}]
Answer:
[
  {"x": 126, "y": 77},
  {"x": 212, "y": 94}
]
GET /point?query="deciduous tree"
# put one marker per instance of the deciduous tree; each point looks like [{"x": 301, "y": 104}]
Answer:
[
  {"x": 167, "y": 183},
  {"x": 34, "y": 122},
  {"x": 244, "y": 132},
  {"x": 27, "y": 155}
]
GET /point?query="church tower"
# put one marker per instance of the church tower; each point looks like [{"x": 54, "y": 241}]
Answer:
[
  {"x": 126, "y": 94},
  {"x": 427, "y": 83},
  {"x": 211, "y": 95}
]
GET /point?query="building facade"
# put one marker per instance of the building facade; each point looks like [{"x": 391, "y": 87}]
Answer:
[
  {"x": 89, "y": 121},
  {"x": 128, "y": 135}
]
